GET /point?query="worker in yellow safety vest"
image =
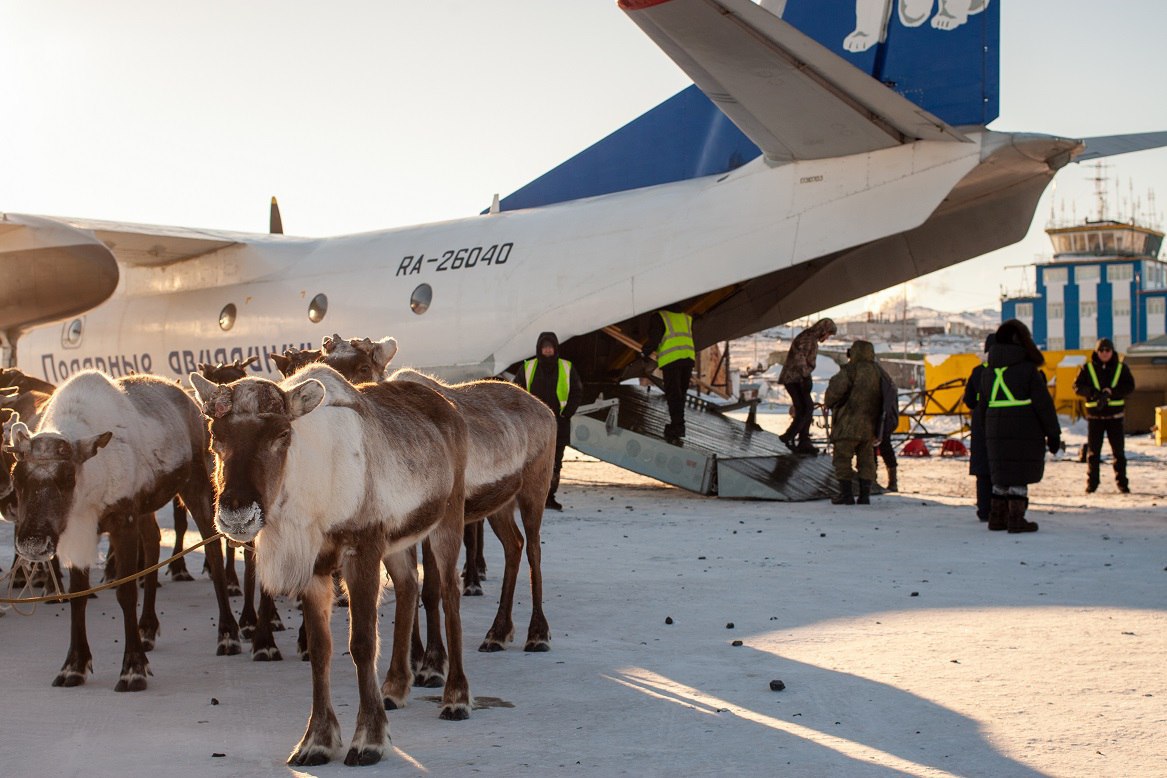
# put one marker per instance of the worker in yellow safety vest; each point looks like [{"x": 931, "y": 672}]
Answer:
[
  {"x": 1104, "y": 382},
  {"x": 670, "y": 335},
  {"x": 556, "y": 382}
]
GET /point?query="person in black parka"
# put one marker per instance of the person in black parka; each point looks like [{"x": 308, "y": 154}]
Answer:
[
  {"x": 1020, "y": 424},
  {"x": 978, "y": 460}
]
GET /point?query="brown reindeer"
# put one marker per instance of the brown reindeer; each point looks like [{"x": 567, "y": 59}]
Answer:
[
  {"x": 324, "y": 475},
  {"x": 106, "y": 454},
  {"x": 511, "y": 454}
]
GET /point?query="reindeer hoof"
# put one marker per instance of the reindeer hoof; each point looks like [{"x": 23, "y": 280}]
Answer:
[
  {"x": 180, "y": 574},
  {"x": 69, "y": 678},
  {"x": 228, "y": 646},
  {"x": 428, "y": 680},
  {"x": 389, "y": 703},
  {"x": 454, "y": 713},
  {"x": 472, "y": 590},
  {"x": 134, "y": 684},
  {"x": 271, "y": 654},
  {"x": 491, "y": 646},
  {"x": 311, "y": 758},
  {"x": 362, "y": 757},
  {"x": 537, "y": 646}
]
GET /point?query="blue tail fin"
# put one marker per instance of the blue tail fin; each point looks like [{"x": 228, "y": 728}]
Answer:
[{"x": 940, "y": 54}]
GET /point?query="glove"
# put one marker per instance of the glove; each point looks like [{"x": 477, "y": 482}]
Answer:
[
  {"x": 1054, "y": 444},
  {"x": 645, "y": 353}
]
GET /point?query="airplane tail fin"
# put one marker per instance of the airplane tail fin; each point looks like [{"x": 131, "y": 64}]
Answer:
[{"x": 943, "y": 57}]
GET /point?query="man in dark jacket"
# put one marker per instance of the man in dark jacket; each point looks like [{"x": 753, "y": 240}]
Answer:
[
  {"x": 889, "y": 420},
  {"x": 978, "y": 459},
  {"x": 1020, "y": 424},
  {"x": 856, "y": 402},
  {"x": 797, "y": 379},
  {"x": 1105, "y": 382},
  {"x": 558, "y": 385}
]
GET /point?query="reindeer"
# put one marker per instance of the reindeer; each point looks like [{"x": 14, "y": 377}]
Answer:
[
  {"x": 511, "y": 438},
  {"x": 17, "y": 403},
  {"x": 325, "y": 475},
  {"x": 69, "y": 490}
]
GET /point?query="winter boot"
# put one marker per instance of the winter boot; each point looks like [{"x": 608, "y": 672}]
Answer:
[
  {"x": 1092, "y": 475},
  {"x": 892, "y": 484},
  {"x": 998, "y": 514},
  {"x": 864, "y": 493},
  {"x": 844, "y": 497},
  {"x": 806, "y": 447},
  {"x": 1016, "y": 518},
  {"x": 1120, "y": 480}
]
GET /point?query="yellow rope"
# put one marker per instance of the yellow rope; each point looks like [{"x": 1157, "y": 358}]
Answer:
[{"x": 62, "y": 596}]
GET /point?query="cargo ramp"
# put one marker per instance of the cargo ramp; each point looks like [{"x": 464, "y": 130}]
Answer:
[{"x": 720, "y": 456}]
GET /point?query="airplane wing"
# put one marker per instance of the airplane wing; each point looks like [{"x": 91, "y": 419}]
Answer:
[
  {"x": 1113, "y": 145},
  {"x": 140, "y": 244},
  {"x": 790, "y": 95}
]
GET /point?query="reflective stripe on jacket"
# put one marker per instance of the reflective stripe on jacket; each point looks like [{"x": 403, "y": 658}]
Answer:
[
  {"x": 1113, "y": 383},
  {"x": 677, "y": 342},
  {"x": 562, "y": 386},
  {"x": 999, "y": 386}
]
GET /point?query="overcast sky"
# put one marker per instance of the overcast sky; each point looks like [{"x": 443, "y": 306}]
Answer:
[{"x": 363, "y": 115}]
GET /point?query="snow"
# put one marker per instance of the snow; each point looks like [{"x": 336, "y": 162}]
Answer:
[{"x": 911, "y": 641}]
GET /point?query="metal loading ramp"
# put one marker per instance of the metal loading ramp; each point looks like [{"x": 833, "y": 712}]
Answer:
[{"x": 721, "y": 456}]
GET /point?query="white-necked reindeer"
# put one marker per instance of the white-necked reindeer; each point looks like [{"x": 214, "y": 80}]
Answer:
[
  {"x": 511, "y": 455},
  {"x": 325, "y": 475},
  {"x": 107, "y": 454}
]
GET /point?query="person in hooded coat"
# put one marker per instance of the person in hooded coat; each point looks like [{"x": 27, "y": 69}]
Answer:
[
  {"x": 978, "y": 459},
  {"x": 1020, "y": 424},
  {"x": 556, "y": 382},
  {"x": 797, "y": 378},
  {"x": 889, "y": 420},
  {"x": 1104, "y": 382},
  {"x": 855, "y": 397}
]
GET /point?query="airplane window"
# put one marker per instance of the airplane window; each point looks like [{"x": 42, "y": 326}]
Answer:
[
  {"x": 71, "y": 336},
  {"x": 227, "y": 317},
  {"x": 419, "y": 301},
  {"x": 317, "y": 308}
]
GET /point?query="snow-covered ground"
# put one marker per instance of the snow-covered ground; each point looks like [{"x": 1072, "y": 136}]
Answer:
[{"x": 911, "y": 641}]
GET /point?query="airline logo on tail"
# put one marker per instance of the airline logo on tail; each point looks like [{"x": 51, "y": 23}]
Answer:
[{"x": 940, "y": 54}]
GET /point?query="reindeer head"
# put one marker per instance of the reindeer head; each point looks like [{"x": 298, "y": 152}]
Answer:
[
  {"x": 226, "y": 373},
  {"x": 251, "y": 432},
  {"x": 45, "y": 479},
  {"x": 7, "y": 460},
  {"x": 293, "y": 359},
  {"x": 359, "y": 360}
]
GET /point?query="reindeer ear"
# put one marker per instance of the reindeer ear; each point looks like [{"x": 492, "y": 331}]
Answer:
[
  {"x": 202, "y": 386},
  {"x": 85, "y": 449},
  {"x": 303, "y": 398},
  {"x": 330, "y": 342},
  {"x": 282, "y": 363},
  {"x": 19, "y": 440},
  {"x": 251, "y": 360},
  {"x": 383, "y": 354}
]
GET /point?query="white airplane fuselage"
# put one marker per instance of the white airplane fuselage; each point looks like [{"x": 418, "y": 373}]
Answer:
[{"x": 499, "y": 279}]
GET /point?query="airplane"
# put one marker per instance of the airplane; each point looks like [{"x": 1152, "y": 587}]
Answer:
[{"x": 828, "y": 149}]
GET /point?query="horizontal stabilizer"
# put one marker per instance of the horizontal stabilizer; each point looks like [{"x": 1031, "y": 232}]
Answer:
[
  {"x": 789, "y": 94},
  {"x": 1113, "y": 145}
]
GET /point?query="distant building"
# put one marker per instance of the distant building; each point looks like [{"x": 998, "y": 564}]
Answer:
[
  {"x": 1104, "y": 281},
  {"x": 878, "y": 330}
]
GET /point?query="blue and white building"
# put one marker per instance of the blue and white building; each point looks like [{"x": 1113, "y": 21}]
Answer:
[{"x": 1105, "y": 281}]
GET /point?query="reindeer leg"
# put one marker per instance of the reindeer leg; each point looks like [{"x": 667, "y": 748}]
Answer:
[
  {"x": 247, "y": 616},
  {"x": 431, "y": 673},
  {"x": 321, "y": 741},
  {"x": 362, "y": 579},
  {"x": 233, "y": 589},
  {"x": 538, "y": 632},
  {"x": 446, "y": 542},
  {"x": 472, "y": 570},
  {"x": 79, "y": 660},
  {"x": 177, "y": 568},
  {"x": 123, "y": 537},
  {"x": 502, "y": 631},
  {"x": 151, "y": 541},
  {"x": 263, "y": 642},
  {"x": 197, "y": 498},
  {"x": 402, "y": 567}
]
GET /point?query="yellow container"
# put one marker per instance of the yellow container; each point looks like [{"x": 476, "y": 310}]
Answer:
[{"x": 1160, "y": 427}]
